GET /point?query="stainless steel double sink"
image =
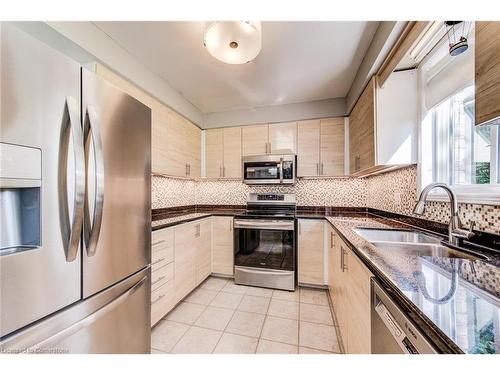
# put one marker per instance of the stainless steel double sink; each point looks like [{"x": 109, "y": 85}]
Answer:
[{"x": 413, "y": 243}]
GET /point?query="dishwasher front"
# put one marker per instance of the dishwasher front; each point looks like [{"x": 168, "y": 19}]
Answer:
[{"x": 392, "y": 332}]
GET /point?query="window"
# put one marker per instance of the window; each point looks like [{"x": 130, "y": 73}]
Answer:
[
  {"x": 452, "y": 149},
  {"x": 455, "y": 151}
]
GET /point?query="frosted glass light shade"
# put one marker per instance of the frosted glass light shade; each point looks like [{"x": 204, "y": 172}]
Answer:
[{"x": 234, "y": 42}]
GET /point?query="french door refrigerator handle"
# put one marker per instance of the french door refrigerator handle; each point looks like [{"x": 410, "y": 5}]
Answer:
[
  {"x": 92, "y": 129},
  {"x": 71, "y": 231}
]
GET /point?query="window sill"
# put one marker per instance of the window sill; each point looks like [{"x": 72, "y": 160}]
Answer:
[{"x": 487, "y": 195}]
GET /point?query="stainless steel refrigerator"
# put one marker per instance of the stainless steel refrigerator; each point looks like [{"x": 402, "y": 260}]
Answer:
[{"x": 75, "y": 206}]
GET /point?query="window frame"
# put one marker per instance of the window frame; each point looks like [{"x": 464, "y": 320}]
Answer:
[{"x": 488, "y": 194}]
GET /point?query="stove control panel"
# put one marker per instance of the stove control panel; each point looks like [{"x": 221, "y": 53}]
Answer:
[{"x": 270, "y": 197}]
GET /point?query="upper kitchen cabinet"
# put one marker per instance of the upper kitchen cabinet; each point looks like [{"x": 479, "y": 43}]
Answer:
[
  {"x": 282, "y": 138},
  {"x": 487, "y": 73},
  {"x": 383, "y": 125},
  {"x": 223, "y": 153},
  {"x": 332, "y": 146},
  {"x": 182, "y": 148},
  {"x": 320, "y": 147},
  {"x": 255, "y": 140},
  {"x": 232, "y": 153},
  {"x": 175, "y": 141},
  {"x": 214, "y": 153},
  {"x": 263, "y": 139}
]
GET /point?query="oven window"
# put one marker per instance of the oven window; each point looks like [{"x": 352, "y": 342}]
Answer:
[
  {"x": 261, "y": 171},
  {"x": 263, "y": 248}
]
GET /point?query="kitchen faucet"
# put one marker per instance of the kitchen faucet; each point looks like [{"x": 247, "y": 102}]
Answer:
[{"x": 455, "y": 231}]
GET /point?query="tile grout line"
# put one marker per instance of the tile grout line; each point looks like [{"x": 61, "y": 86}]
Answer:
[
  {"x": 190, "y": 325},
  {"x": 227, "y": 324},
  {"x": 264, "y": 323}
]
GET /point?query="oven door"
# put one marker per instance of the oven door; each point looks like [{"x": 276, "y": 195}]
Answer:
[{"x": 264, "y": 243}]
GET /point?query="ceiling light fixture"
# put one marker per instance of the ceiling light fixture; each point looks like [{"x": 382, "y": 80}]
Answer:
[{"x": 233, "y": 42}]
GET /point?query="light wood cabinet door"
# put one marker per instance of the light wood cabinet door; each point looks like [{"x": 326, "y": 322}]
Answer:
[
  {"x": 176, "y": 153},
  {"x": 332, "y": 147},
  {"x": 185, "y": 259},
  {"x": 159, "y": 135},
  {"x": 162, "y": 301},
  {"x": 203, "y": 247},
  {"x": 232, "y": 153},
  {"x": 283, "y": 138},
  {"x": 254, "y": 140},
  {"x": 308, "y": 148},
  {"x": 214, "y": 153},
  {"x": 311, "y": 251},
  {"x": 222, "y": 245},
  {"x": 362, "y": 131},
  {"x": 487, "y": 72},
  {"x": 339, "y": 286},
  {"x": 358, "y": 305},
  {"x": 192, "y": 140}
]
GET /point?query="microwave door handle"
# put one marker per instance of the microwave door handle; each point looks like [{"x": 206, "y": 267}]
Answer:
[
  {"x": 281, "y": 170},
  {"x": 92, "y": 131},
  {"x": 71, "y": 232}
]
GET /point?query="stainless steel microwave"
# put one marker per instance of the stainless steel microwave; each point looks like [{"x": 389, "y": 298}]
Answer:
[{"x": 269, "y": 169}]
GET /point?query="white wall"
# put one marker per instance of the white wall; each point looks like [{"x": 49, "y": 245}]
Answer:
[{"x": 84, "y": 42}]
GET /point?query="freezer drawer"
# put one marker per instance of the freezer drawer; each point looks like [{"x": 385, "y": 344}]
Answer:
[{"x": 116, "y": 320}]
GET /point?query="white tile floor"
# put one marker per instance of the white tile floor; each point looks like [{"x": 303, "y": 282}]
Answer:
[{"x": 222, "y": 317}]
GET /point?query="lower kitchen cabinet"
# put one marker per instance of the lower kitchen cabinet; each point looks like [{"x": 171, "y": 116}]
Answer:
[
  {"x": 162, "y": 274},
  {"x": 185, "y": 259},
  {"x": 203, "y": 250},
  {"x": 311, "y": 251},
  {"x": 349, "y": 288},
  {"x": 223, "y": 245},
  {"x": 181, "y": 260}
]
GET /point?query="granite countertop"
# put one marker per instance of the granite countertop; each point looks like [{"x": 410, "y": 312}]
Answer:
[
  {"x": 456, "y": 302},
  {"x": 184, "y": 217},
  {"x": 459, "y": 314}
]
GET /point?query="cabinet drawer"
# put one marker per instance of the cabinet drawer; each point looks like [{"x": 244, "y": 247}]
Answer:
[
  {"x": 162, "y": 301},
  {"x": 162, "y": 257},
  {"x": 161, "y": 275},
  {"x": 162, "y": 238}
]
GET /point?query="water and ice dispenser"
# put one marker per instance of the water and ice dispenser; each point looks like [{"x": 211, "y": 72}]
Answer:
[{"x": 20, "y": 184}]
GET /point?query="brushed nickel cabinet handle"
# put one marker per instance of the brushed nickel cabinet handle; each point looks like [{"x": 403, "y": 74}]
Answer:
[
  {"x": 224, "y": 171},
  {"x": 341, "y": 259},
  {"x": 159, "y": 298},
  {"x": 158, "y": 242},
  {"x": 344, "y": 265},
  {"x": 158, "y": 280},
  {"x": 158, "y": 261},
  {"x": 321, "y": 171}
]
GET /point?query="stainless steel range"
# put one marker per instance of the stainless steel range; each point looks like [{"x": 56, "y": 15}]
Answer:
[{"x": 265, "y": 242}]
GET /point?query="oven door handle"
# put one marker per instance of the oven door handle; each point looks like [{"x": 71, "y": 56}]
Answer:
[
  {"x": 281, "y": 170},
  {"x": 264, "y": 272},
  {"x": 277, "y": 225}
]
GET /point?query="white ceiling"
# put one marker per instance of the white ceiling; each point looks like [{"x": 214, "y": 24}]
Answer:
[{"x": 299, "y": 61}]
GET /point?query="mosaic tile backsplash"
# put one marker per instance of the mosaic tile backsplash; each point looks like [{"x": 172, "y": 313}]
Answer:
[
  {"x": 397, "y": 192},
  {"x": 393, "y": 191}
]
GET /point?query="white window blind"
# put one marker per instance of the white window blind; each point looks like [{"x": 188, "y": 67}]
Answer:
[{"x": 445, "y": 75}]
